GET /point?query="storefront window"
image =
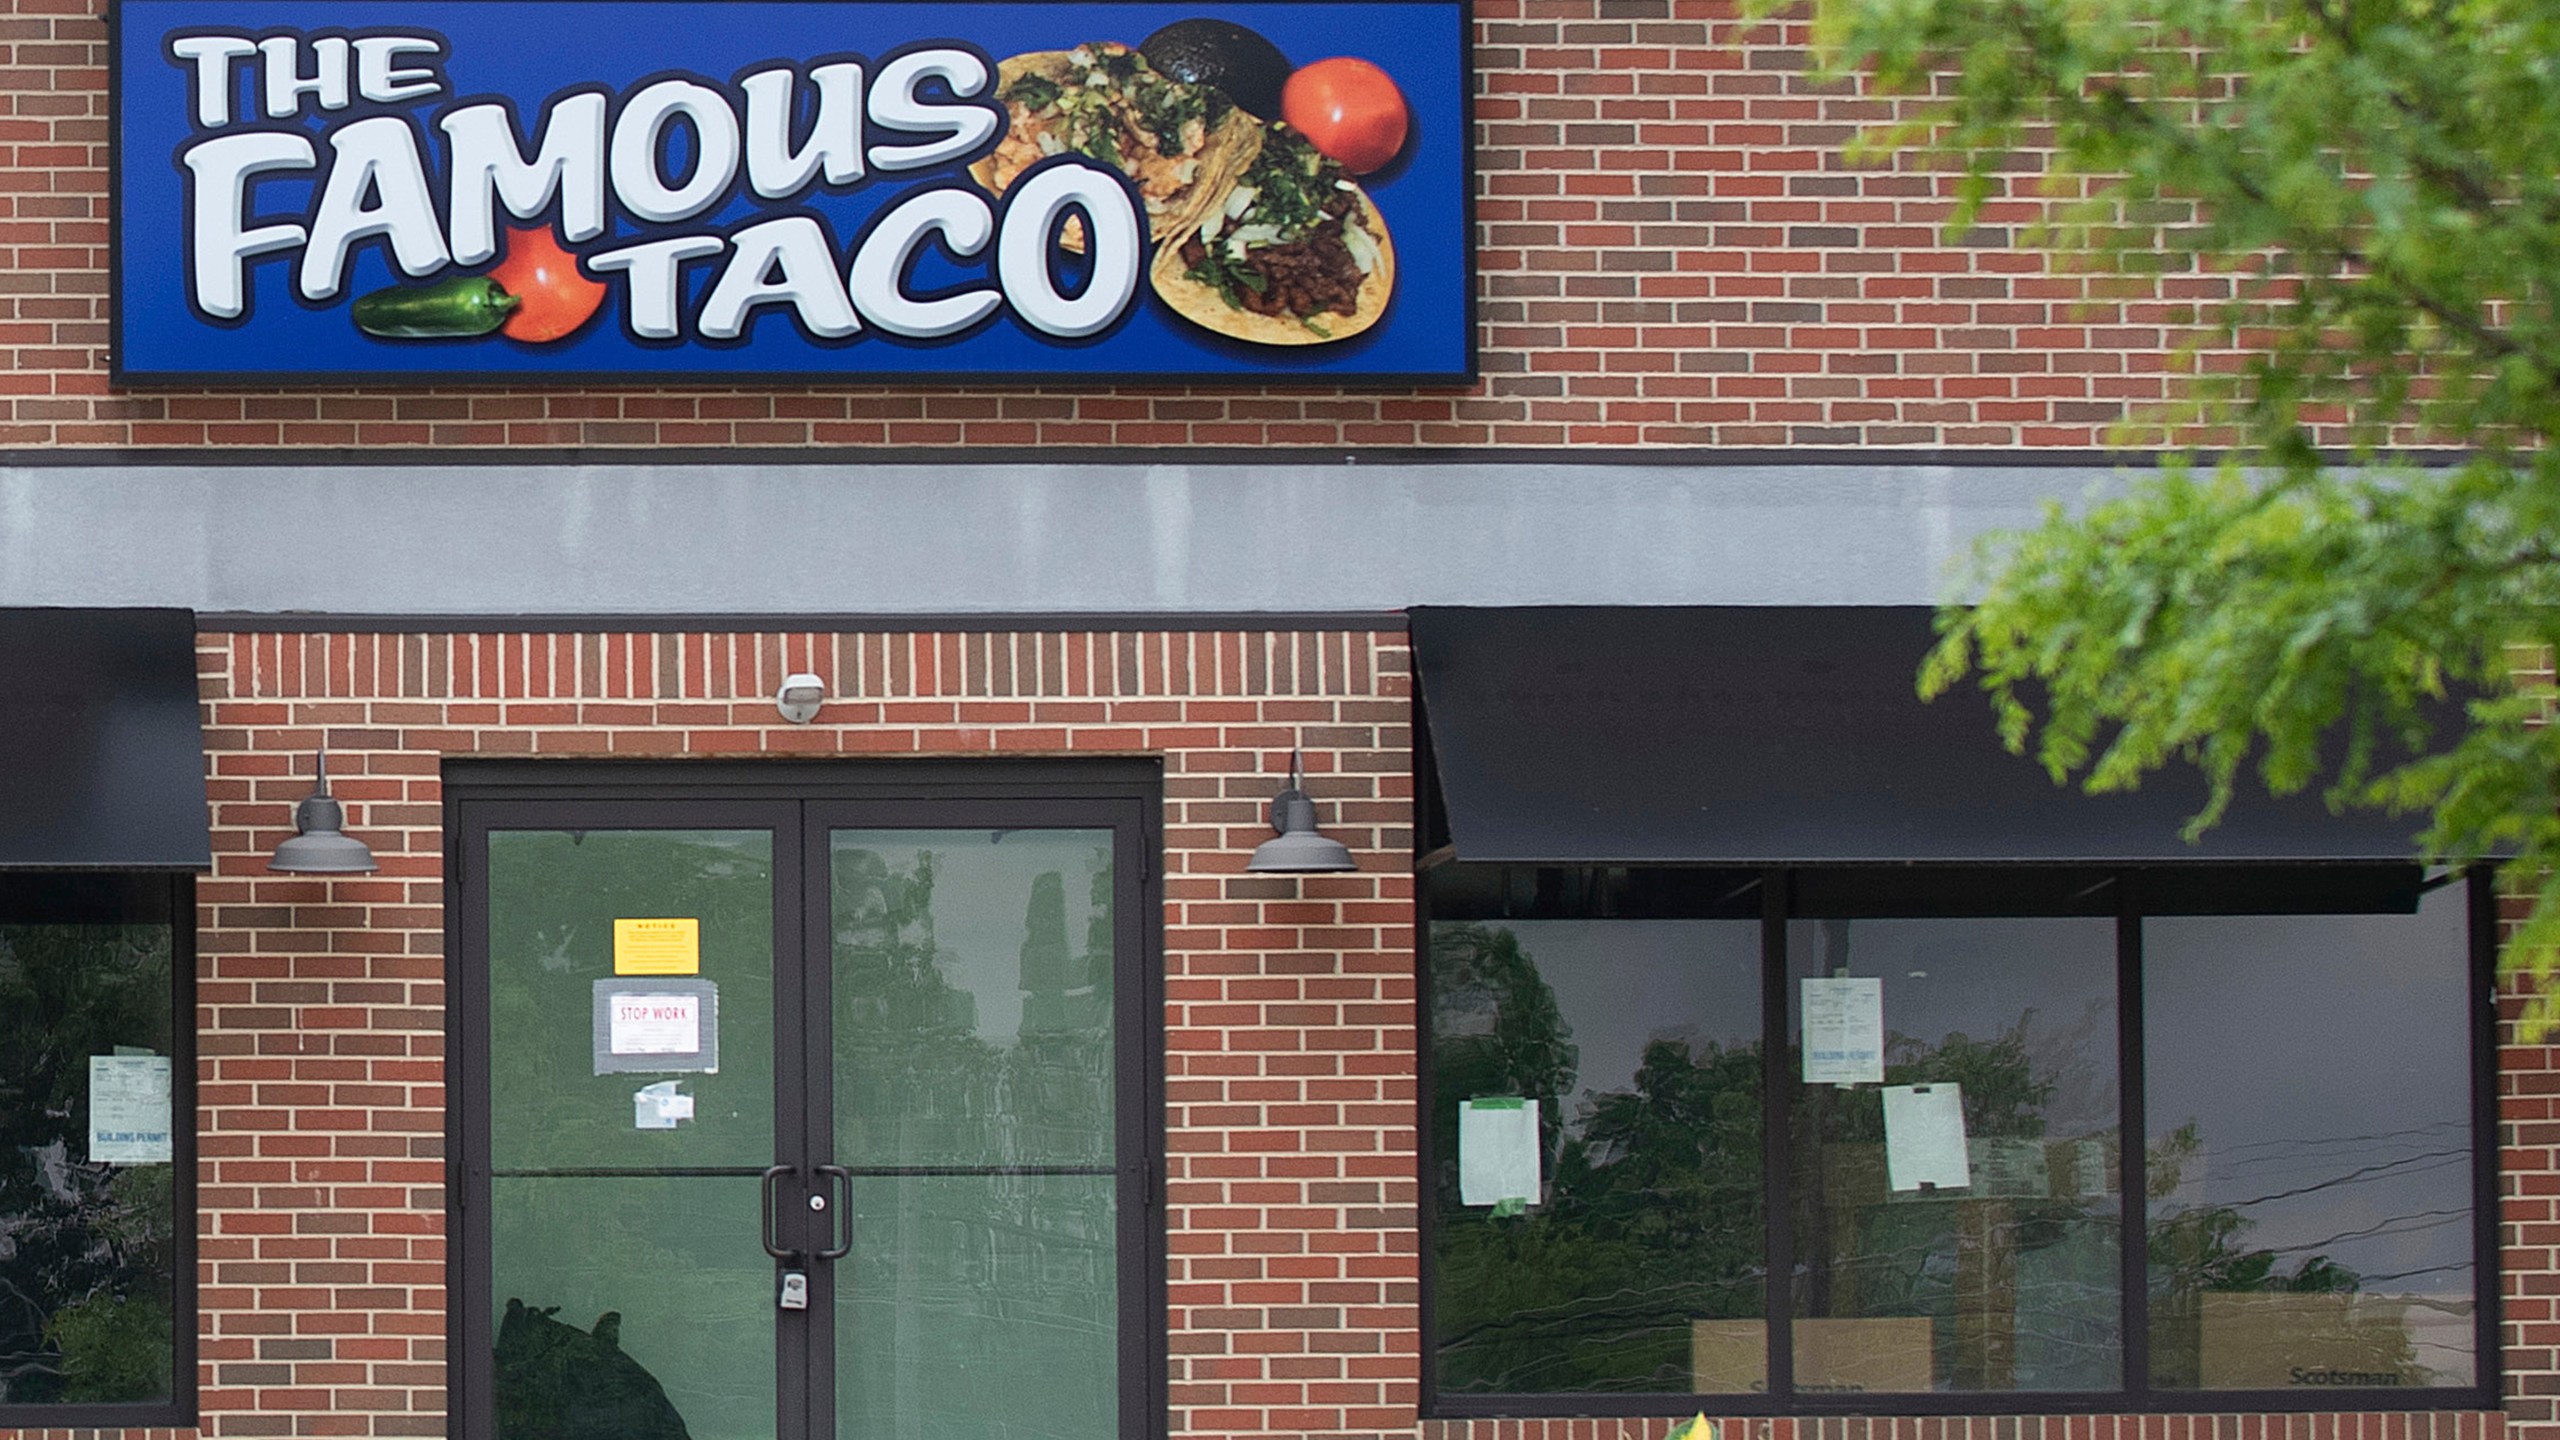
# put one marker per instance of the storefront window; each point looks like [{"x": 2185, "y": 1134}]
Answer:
[
  {"x": 1634, "y": 1243},
  {"x": 92, "y": 1138},
  {"x": 1951, "y": 1102},
  {"x": 1981, "y": 1255},
  {"x": 2309, "y": 1116}
]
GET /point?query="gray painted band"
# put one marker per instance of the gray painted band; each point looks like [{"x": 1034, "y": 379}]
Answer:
[{"x": 900, "y": 539}]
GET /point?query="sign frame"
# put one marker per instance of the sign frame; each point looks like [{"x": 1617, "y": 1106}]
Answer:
[{"x": 1294, "y": 370}]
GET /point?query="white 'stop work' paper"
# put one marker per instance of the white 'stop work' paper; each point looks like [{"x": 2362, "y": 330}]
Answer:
[
  {"x": 129, "y": 1110},
  {"x": 1924, "y": 1137},
  {"x": 656, "y": 1024},
  {"x": 1843, "y": 1030},
  {"x": 1497, "y": 1151}
]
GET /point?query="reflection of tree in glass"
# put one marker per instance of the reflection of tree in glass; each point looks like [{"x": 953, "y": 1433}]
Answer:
[
  {"x": 990, "y": 1265},
  {"x": 87, "y": 1251},
  {"x": 926, "y": 1082},
  {"x": 1652, "y": 1213},
  {"x": 2018, "y": 1271},
  {"x": 2201, "y": 1250},
  {"x": 2003, "y": 1094},
  {"x": 1058, "y": 1077},
  {"x": 1058, "y": 1080}
]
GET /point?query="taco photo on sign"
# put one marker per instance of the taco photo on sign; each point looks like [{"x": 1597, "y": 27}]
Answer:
[
  {"x": 1293, "y": 253},
  {"x": 1179, "y": 144}
]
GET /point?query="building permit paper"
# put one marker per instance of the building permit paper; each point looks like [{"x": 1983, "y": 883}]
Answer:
[
  {"x": 129, "y": 1110},
  {"x": 1843, "y": 1030}
]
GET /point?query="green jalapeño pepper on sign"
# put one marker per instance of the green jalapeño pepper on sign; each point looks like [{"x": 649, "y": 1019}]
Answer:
[{"x": 463, "y": 306}]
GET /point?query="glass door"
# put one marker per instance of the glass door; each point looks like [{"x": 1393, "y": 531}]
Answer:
[
  {"x": 973, "y": 1124},
  {"x": 800, "y": 1119},
  {"x": 629, "y": 1290}
]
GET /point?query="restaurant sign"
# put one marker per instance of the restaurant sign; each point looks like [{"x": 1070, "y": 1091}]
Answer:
[{"x": 503, "y": 190}]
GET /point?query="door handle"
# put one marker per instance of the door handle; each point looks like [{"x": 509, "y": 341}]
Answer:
[
  {"x": 840, "y": 1229},
  {"x": 765, "y": 1228}
]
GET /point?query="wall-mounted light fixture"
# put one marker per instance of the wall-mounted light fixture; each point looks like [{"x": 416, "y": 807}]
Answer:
[
  {"x": 800, "y": 696},
  {"x": 1296, "y": 848},
  {"x": 319, "y": 846}
]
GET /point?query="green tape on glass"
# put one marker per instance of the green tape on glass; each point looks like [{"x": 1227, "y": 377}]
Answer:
[
  {"x": 1505, "y": 1209},
  {"x": 1498, "y": 1102}
]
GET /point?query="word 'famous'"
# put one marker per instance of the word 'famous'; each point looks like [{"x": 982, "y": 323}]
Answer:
[{"x": 781, "y": 130}]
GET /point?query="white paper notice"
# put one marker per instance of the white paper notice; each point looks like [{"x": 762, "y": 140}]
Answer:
[
  {"x": 659, "y": 1107},
  {"x": 2009, "y": 1169},
  {"x": 642, "y": 1024},
  {"x": 1843, "y": 1030},
  {"x": 2090, "y": 1168},
  {"x": 1924, "y": 1137},
  {"x": 1498, "y": 1151},
  {"x": 129, "y": 1110}
]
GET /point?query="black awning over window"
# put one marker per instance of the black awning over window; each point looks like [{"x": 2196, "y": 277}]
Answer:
[
  {"x": 1768, "y": 735},
  {"x": 101, "y": 753}
]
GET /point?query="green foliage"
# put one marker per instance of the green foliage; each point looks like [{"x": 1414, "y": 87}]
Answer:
[
  {"x": 2363, "y": 192},
  {"x": 88, "y": 1265},
  {"x": 113, "y": 1348},
  {"x": 2195, "y": 1251},
  {"x": 1652, "y": 1216},
  {"x": 2004, "y": 1093}
]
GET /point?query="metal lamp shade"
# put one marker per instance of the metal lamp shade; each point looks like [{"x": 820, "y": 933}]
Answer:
[
  {"x": 1298, "y": 849},
  {"x": 321, "y": 847}
]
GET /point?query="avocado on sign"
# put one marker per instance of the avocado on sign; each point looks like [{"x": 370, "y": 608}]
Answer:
[{"x": 589, "y": 189}]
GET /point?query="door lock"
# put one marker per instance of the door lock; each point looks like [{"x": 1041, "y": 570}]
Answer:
[
  {"x": 795, "y": 1291},
  {"x": 817, "y": 1202}
]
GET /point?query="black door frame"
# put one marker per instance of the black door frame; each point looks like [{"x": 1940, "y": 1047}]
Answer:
[{"x": 1124, "y": 795}]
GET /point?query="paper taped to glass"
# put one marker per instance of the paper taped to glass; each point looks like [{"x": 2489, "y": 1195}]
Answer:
[
  {"x": 1843, "y": 1030},
  {"x": 670, "y": 1026},
  {"x": 1498, "y": 1153},
  {"x": 1924, "y": 1137},
  {"x": 129, "y": 1110}
]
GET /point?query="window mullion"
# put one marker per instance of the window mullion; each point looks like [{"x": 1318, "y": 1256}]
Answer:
[
  {"x": 1775, "y": 1099},
  {"x": 2133, "y": 1179}
]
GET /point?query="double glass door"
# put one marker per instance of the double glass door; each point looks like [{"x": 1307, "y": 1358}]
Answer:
[{"x": 801, "y": 1118}]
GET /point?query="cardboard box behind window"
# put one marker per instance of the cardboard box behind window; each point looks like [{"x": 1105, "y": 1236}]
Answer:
[
  {"x": 2253, "y": 1341},
  {"x": 1888, "y": 1356}
]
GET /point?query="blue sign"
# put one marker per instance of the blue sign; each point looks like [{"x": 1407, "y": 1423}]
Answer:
[{"x": 521, "y": 190}]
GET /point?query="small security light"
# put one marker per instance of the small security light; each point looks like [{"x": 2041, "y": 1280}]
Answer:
[
  {"x": 800, "y": 696},
  {"x": 319, "y": 847},
  {"x": 1296, "y": 848}
]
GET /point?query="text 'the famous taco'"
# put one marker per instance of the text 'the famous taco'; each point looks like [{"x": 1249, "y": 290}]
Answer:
[
  {"x": 1178, "y": 143},
  {"x": 1293, "y": 254}
]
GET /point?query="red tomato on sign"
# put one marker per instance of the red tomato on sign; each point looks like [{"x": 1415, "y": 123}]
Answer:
[
  {"x": 554, "y": 296},
  {"x": 1349, "y": 109}
]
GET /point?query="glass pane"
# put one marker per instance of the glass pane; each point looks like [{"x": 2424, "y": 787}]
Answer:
[
  {"x": 973, "y": 973},
  {"x": 88, "y": 1281},
  {"x": 2309, "y": 1102},
  {"x": 637, "y": 1306},
  {"x": 2003, "y": 1271},
  {"x": 980, "y": 1305},
  {"x": 1637, "y": 1266},
  {"x": 553, "y": 898}
]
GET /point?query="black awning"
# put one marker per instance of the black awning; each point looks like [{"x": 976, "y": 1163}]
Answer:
[
  {"x": 1769, "y": 735},
  {"x": 101, "y": 753}
]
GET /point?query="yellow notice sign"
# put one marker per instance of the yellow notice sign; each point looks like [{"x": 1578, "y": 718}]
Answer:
[{"x": 657, "y": 947}]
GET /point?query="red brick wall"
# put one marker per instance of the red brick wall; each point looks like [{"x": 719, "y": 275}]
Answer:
[
  {"x": 2395, "y": 1425},
  {"x": 1672, "y": 251},
  {"x": 1292, "y": 1191},
  {"x": 1289, "y": 1000},
  {"x": 2528, "y": 1208}
]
